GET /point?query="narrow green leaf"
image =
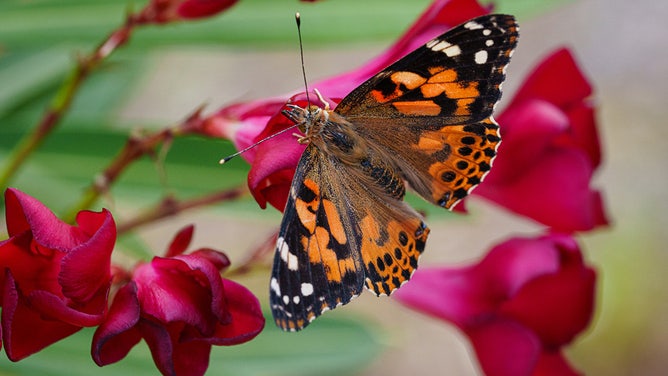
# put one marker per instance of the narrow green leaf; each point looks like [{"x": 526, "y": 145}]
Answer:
[{"x": 333, "y": 346}]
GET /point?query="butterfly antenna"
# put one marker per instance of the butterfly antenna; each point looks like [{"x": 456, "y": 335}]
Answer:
[
  {"x": 308, "y": 99},
  {"x": 226, "y": 159},
  {"x": 298, "y": 19}
]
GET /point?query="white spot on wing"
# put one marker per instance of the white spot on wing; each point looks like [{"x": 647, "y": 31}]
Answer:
[
  {"x": 452, "y": 51},
  {"x": 471, "y": 25},
  {"x": 481, "y": 57},
  {"x": 439, "y": 45},
  {"x": 286, "y": 299},
  {"x": 489, "y": 43},
  {"x": 275, "y": 287},
  {"x": 445, "y": 47},
  {"x": 295, "y": 299},
  {"x": 307, "y": 289},
  {"x": 431, "y": 43},
  {"x": 486, "y": 32},
  {"x": 287, "y": 256}
]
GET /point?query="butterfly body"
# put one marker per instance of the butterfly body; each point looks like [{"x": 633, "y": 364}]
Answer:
[{"x": 426, "y": 120}]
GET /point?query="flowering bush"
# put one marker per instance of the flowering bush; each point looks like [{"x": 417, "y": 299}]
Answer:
[
  {"x": 529, "y": 297},
  {"x": 519, "y": 306}
]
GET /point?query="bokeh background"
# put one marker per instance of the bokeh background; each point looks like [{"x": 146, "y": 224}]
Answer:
[{"x": 251, "y": 52}]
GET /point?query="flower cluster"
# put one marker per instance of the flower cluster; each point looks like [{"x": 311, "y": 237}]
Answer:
[
  {"x": 519, "y": 305},
  {"x": 57, "y": 279},
  {"x": 528, "y": 297}
]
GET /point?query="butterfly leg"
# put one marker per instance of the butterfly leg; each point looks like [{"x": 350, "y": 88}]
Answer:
[{"x": 321, "y": 99}]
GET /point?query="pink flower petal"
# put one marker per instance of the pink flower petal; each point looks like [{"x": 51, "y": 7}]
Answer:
[
  {"x": 116, "y": 336},
  {"x": 27, "y": 213},
  {"x": 202, "y": 8},
  {"x": 557, "y": 79},
  {"x": 169, "y": 290},
  {"x": 26, "y": 331},
  {"x": 180, "y": 242},
  {"x": 556, "y": 306},
  {"x": 505, "y": 348},
  {"x": 247, "y": 320},
  {"x": 86, "y": 269}
]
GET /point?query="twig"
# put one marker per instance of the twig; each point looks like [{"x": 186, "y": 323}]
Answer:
[
  {"x": 170, "y": 206},
  {"x": 63, "y": 99},
  {"x": 135, "y": 147}
]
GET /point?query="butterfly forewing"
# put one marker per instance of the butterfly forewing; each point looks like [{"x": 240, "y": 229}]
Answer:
[{"x": 452, "y": 79}]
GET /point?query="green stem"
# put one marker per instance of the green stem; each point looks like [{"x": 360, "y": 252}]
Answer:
[{"x": 62, "y": 101}]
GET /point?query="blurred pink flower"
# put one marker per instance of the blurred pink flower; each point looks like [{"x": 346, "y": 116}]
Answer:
[
  {"x": 180, "y": 306},
  {"x": 163, "y": 11},
  {"x": 550, "y": 150},
  {"x": 55, "y": 278},
  {"x": 519, "y": 305}
]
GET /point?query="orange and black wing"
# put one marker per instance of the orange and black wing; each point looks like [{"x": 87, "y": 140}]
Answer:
[
  {"x": 340, "y": 232},
  {"x": 431, "y": 112}
]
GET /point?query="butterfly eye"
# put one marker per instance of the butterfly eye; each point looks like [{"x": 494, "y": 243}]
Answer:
[{"x": 296, "y": 114}]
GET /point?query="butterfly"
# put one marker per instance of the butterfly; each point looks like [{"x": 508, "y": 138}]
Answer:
[{"x": 425, "y": 120}]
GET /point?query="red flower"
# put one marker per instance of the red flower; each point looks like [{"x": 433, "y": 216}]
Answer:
[
  {"x": 550, "y": 150},
  {"x": 180, "y": 306},
  {"x": 519, "y": 305},
  {"x": 162, "y": 11},
  {"x": 273, "y": 163},
  {"x": 55, "y": 277}
]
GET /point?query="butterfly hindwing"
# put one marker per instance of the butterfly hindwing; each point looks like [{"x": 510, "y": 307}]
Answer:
[
  {"x": 317, "y": 265},
  {"x": 339, "y": 234}
]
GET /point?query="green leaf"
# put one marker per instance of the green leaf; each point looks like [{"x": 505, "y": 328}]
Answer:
[{"x": 331, "y": 346}]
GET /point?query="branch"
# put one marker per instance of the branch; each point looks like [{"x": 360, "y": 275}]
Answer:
[{"x": 170, "y": 206}]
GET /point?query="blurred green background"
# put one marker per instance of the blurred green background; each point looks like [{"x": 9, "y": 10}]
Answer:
[{"x": 251, "y": 52}]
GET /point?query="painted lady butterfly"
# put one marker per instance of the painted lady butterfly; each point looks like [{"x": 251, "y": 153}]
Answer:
[{"x": 427, "y": 120}]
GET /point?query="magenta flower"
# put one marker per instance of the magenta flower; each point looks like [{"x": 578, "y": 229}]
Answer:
[
  {"x": 550, "y": 150},
  {"x": 519, "y": 306},
  {"x": 163, "y": 11},
  {"x": 180, "y": 306},
  {"x": 55, "y": 277}
]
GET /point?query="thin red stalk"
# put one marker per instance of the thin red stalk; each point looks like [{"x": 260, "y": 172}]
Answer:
[
  {"x": 170, "y": 206},
  {"x": 63, "y": 99}
]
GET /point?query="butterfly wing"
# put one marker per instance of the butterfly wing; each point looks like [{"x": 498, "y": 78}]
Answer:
[
  {"x": 340, "y": 231},
  {"x": 431, "y": 111},
  {"x": 315, "y": 267}
]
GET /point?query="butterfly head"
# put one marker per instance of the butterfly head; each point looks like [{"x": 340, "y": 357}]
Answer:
[{"x": 310, "y": 120}]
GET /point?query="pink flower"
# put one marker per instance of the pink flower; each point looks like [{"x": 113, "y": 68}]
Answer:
[
  {"x": 273, "y": 163},
  {"x": 550, "y": 150},
  {"x": 55, "y": 277},
  {"x": 180, "y": 306},
  {"x": 163, "y": 11},
  {"x": 519, "y": 306}
]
